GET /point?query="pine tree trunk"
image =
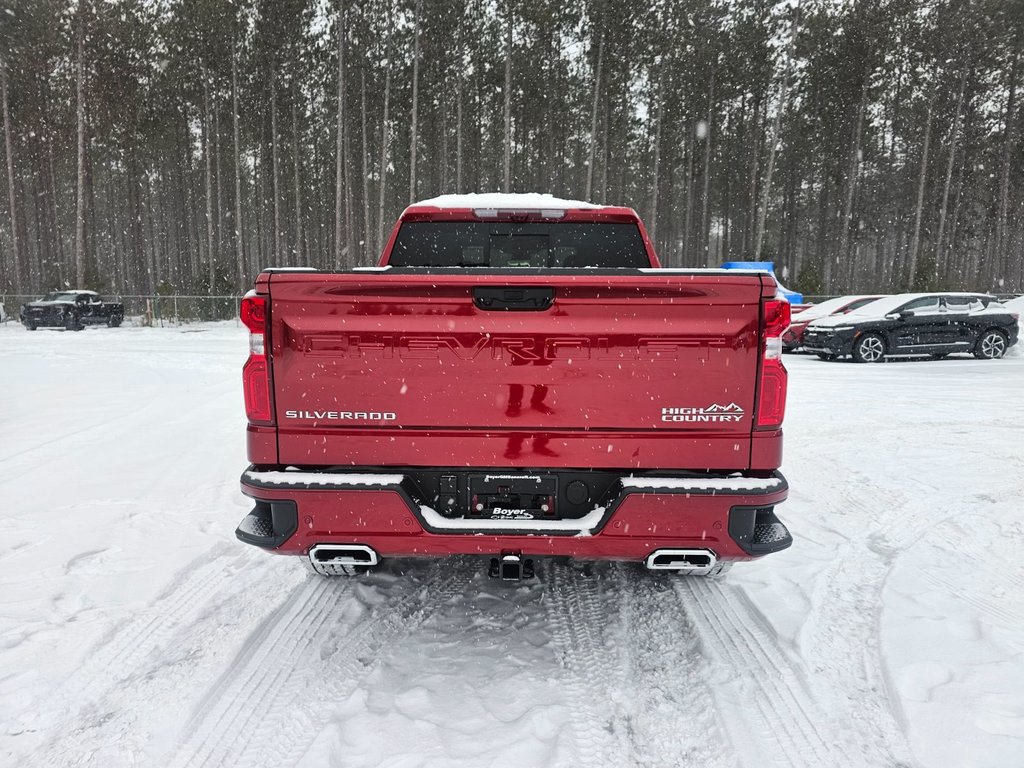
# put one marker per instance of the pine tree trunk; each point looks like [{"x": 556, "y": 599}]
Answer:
[
  {"x": 259, "y": 170},
  {"x": 188, "y": 218},
  {"x": 652, "y": 215},
  {"x": 1004, "y": 186},
  {"x": 16, "y": 273},
  {"x": 297, "y": 172},
  {"x": 80, "y": 185},
  {"x": 385, "y": 140},
  {"x": 549, "y": 119},
  {"x": 602, "y": 197},
  {"x": 165, "y": 265},
  {"x": 207, "y": 157},
  {"x": 276, "y": 170},
  {"x": 705, "y": 218},
  {"x": 592, "y": 152},
  {"x": 348, "y": 168},
  {"x": 339, "y": 176},
  {"x": 148, "y": 245},
  {"x": 51, "y": 163},
  {"x": 754, "y": 140},
  {"x": 824, "y": 206},
  {"x": 156, "y": 240},
  {"x": 915, "y": 242},
  {"x": 367, "y": 241},
  {"x": 956, "y": 259},
  {"x": 773, "y": 140},
  {"x": 46, "y": 200},
  {"x": 33, "y": 233},
  {"x": 459, "y": 95},
  {"x": 853, "y": 174},
  {"x": 685, "y": 258},
  {"x": 218, "y": 216},
  {"x": 507, "y": 183},
  {"x": 953, "y": 141},
  {"x": 458, "y": 132},
  {"x": 442, "y": 160},
  {"x": 413, "y": 133},
  {"x": 239, "y": 224}
]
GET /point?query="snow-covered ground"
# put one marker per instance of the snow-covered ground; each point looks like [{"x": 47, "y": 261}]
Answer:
[{"x": 136, "y": 631}]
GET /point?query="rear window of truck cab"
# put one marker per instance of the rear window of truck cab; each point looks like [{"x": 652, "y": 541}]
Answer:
[{"x": 601, "y": 245}]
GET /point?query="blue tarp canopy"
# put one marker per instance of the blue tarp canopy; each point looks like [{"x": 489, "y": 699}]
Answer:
[{"x": 767, "y": 266}]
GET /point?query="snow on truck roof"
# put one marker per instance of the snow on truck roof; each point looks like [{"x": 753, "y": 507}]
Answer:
[{"x": 507, "y": 201}]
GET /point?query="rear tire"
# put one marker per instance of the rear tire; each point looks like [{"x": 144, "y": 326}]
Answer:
[
  {"x": 991, "y": 346},
  {"x": 869, "y": 348},
  {"x": 31, "y": 326}
]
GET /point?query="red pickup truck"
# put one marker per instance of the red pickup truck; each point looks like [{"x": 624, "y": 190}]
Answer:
[{"x": 518, "y": 378}]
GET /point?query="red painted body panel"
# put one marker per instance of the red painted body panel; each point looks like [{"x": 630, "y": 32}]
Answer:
[
  {"x": 766, "y": 451},
  {"x": 536, "y": 449},
  {"x": 261, "y": 445},
  {"x": 435, "y": 375},
  {"x": 642, "y": 523}
]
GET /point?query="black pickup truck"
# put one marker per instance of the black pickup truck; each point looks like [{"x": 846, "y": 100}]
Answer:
[{"x": 72, "y": 310}]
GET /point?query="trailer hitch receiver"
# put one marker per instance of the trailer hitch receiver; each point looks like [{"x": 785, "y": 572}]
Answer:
[{"x": 510, "y": 567}]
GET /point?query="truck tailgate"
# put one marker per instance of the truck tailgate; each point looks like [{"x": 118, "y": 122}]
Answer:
[{"x": 648, "y": 370}]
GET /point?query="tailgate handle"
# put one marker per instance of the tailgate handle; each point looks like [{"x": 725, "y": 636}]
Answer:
[{"x": 514, "y": 298}]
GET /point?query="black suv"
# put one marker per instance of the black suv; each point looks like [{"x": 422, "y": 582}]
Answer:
[
  {"x": 72, "y": 310},
  {"x": 915, "y": 325}
]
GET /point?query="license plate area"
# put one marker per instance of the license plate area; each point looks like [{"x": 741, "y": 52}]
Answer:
[{"x": 512, "y": 497}]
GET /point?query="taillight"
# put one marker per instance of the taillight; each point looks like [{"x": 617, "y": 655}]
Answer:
[
  {"x": 256, "y": 372},
  {"x": 777, "y": 316},
  {"x": 771, "y": 407}
]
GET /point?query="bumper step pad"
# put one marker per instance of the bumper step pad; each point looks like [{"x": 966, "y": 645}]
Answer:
[
  {"x": 767, "y": 534},
  {"x": 758, "y": 531},
  {"x": 255, "y": 525},
  {"x": 269, "y": 524}
]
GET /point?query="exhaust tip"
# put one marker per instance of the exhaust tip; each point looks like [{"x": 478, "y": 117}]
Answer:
[
  {"x": 337, "y": 559},
  {"x": 696, "y": 562}
]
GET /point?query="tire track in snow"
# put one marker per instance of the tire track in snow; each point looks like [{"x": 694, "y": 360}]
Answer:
[
  {"x": 1007, "y": 616},
  {"x": 845, "y": 642},
  {"x": 845, "y": 634},
  {"x": 577, "y": 615},
  {"x": 993, "y": 583},
  {"x": 278, "y": 694},
  {"x": 144, "y": 659},
  {"x": 251, "y": 681},
  {"x": 64, "y": 439},
  {"x": 119, "y": 654},
  {"x": 664, "y": 675},
  {"x": 763, "y": 687},
  {"x": 340, "y": 665}
]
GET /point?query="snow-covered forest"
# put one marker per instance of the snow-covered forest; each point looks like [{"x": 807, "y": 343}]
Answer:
[{"x": 153, "y": 146}]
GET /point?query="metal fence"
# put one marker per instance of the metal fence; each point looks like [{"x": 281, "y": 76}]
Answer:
[{"x": 153, "y": 310}]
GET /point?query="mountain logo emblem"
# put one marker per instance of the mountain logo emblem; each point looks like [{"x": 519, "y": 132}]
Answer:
[{"x": 716, "y": 408}]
